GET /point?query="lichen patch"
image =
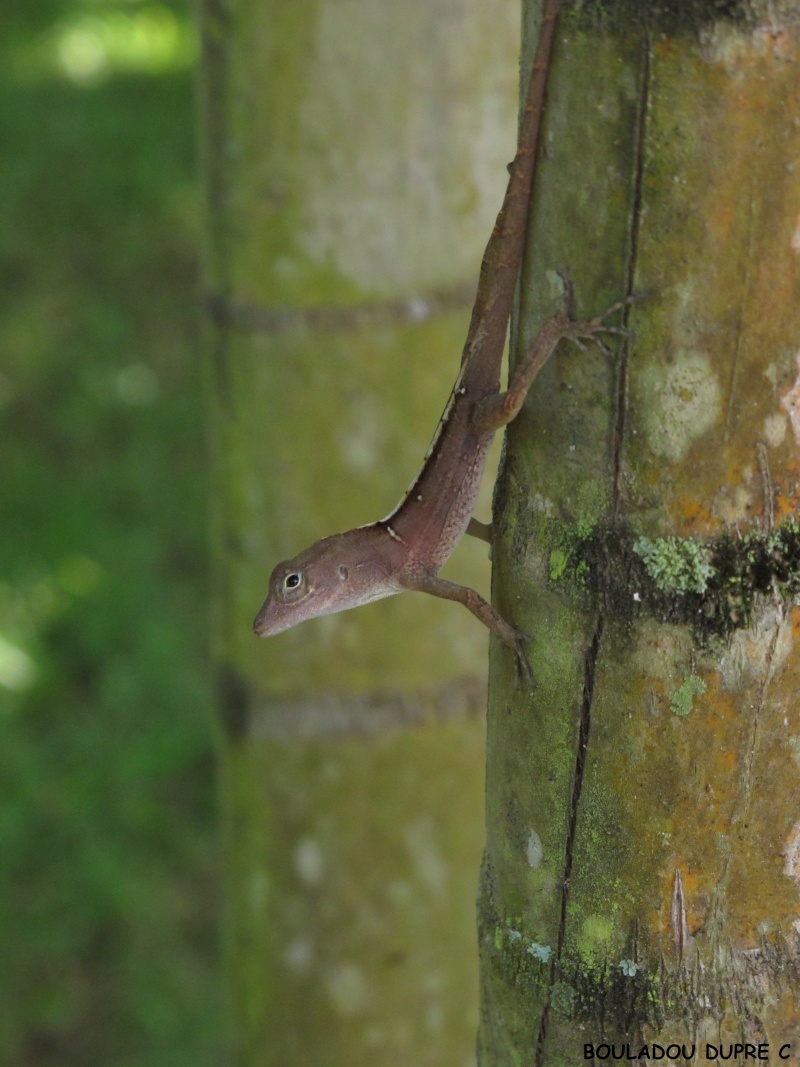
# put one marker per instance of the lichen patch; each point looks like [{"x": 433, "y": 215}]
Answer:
[
  {"x": 683, "y": 698},
  {"x": 726, "y": 46},
  {"x": 683, "y": 403},
  {"x": 774, "y": 429},
  {"x": 533, "y": 850}
]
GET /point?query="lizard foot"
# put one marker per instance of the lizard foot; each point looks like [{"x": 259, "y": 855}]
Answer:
[{"x": 590, "y": 330}]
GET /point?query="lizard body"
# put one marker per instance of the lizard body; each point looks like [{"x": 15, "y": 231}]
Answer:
[{"x": 406, "y": 549}]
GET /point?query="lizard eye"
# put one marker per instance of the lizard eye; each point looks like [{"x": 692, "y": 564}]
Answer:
[{"x": 291, "y": 581}]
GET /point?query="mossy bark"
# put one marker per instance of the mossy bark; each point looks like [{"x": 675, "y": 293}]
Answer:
[
  {"x": 641, "y": 880},
  {"x": 355, "y": 159}
]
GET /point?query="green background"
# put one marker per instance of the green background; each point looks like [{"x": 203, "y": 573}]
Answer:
[{"x": 109, "y": 869}]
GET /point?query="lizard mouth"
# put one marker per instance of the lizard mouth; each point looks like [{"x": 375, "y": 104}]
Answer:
[
  {"x": 261, "y": 626},
  {"x": 266, "y": 626}
]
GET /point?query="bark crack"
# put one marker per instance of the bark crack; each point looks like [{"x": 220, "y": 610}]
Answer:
[
  {"x": 680, "y": 926},
  {"x": 631, "y": 254},
  {"x": 593, "y": 651},
  {"x": 769, "y": 670},
  {"x": 590, "y": 669}
]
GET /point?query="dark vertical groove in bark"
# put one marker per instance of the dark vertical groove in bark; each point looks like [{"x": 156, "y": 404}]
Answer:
[
  {"x": 630, "y": 271},
  {"x": 584, "y": 730},
  {"x": 580, "y": 763},
  {"x": 593, "y": 652}
]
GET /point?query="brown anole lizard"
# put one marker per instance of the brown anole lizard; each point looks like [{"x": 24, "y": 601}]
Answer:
[{"x": 406, "y": 550}]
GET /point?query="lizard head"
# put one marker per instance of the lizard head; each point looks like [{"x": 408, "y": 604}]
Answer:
[{"x": 320, "y": 581}]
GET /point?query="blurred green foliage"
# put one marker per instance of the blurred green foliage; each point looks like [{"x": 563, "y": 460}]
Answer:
[{"x": 108, "y": 859}]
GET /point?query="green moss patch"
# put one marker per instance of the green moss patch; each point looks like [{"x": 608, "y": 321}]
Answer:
[{"x": 711, "y": 586}]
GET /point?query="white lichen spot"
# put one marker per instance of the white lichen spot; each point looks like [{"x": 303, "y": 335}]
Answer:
[
  {"x": 555, "y": 284},
  {"x": 299, "y": 955},
  {"x": 725, "y": 46},
  {"x": 774, "y": 429},
  {"x": 791, "y": 866},
  {"x": 542, "y": 504},
  {"x": 772, "y": 373},
  {"x": 628, "y": 968},
  {"x": 347, "y": 988},
  {"x": 539, "y": 952},
  {"x": 790, "y": 402},
  {"x": 533, "y": 850},
  {"x": 795, "y": 241},
  {"x": 309, "y": 862},
  {"x": 429, "y": 867},
  {"x": 680, "y": 403}
]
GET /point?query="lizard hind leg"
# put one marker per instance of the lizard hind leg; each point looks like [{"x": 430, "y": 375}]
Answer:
[{"x": 425, "y": 582}]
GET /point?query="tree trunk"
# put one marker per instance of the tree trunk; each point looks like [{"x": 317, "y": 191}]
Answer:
[
  {"x": 641, "y": 882},
  {"x": 355, "y": 158}
]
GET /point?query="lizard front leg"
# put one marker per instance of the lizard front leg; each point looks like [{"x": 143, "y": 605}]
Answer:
[
  {"x": 425, "y": 582},
  {"x": 494, "y": 412}
]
